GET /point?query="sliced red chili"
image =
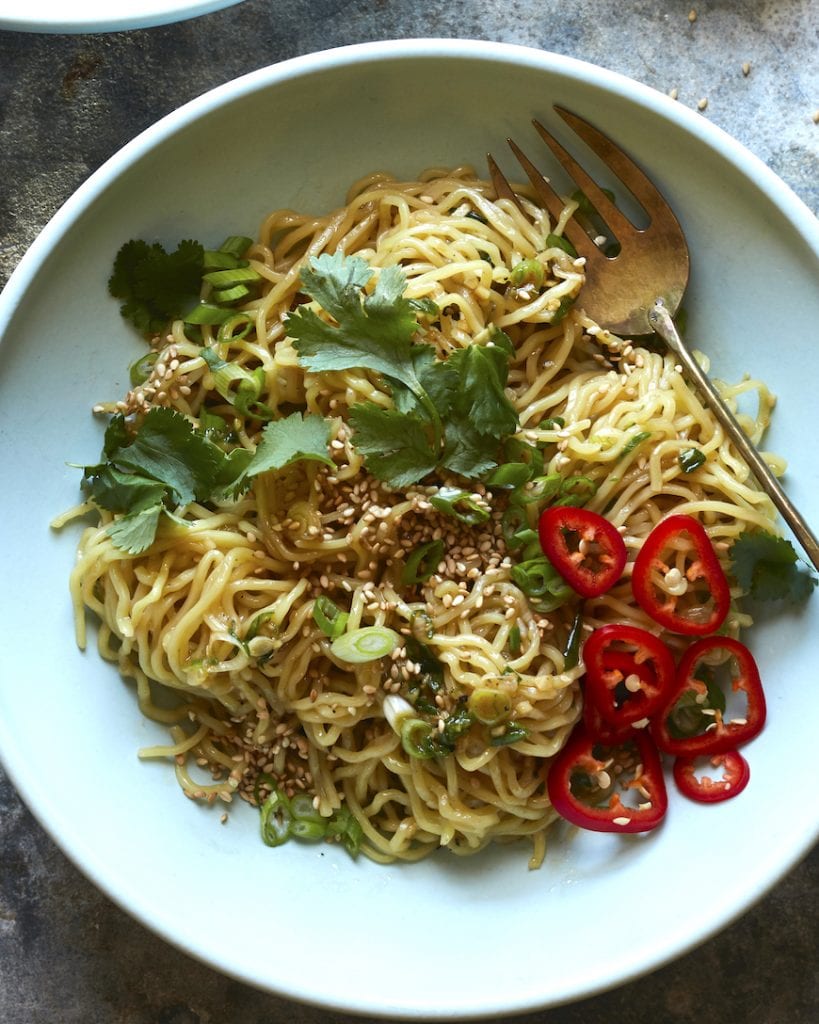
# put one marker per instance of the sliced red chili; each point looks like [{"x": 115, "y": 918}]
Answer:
[
  {"x": 601, "y": 730},
  {"x": 704, "y": 788},
  {"x": 677, "y": 578},
  {"x": 629, "y": 673},
  {"x": 585, "y": 780},
  {"x": 584, "y": 547},
  {"x": 693, "y": 719}
]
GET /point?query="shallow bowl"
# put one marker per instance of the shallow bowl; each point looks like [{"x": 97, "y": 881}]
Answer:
[{"x": 447, "y": 936}]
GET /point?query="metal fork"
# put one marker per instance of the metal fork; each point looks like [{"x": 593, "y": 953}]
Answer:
[{"x": 638, "y": 291}]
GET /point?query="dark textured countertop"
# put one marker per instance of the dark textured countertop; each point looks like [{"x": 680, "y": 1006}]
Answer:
[{"x": 67, "y": 954}]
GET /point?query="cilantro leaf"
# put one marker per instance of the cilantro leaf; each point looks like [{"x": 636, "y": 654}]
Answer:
[
  {"x": 117, "y": 491},
  {"x": 372, "y": 332},
  {"x": 288, "y": 440},
  {"x": 467, "y": 451},
  {"x": 396, "y": 445},
  {"x": 156, "y": 285},
  {"x": 168, "y": 449},
  {"x": 767, "y": 568},
  {"x": 481, "y": 399},
  {"x": 136, "y": 531},
  {"x": 167, "y": 462},
  {"x": 438, "y": 379},
  {"x": 448, "y": 412}
]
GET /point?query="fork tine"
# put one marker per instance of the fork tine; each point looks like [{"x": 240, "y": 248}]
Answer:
[
  {"x": 503, "y": 190},
  {"x": 619, "y": 224},
  {"x": 641, "y": 187},
  {"x": 553, "y": 203}
]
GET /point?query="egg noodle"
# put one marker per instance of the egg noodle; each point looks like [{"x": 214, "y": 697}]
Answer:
[{"x": 218, "y": 612}]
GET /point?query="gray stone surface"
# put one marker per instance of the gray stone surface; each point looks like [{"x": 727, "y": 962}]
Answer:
[{"x": 67, "y": 954}]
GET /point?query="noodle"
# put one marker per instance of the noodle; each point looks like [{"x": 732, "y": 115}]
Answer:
[{"x": 218, "y": 611}]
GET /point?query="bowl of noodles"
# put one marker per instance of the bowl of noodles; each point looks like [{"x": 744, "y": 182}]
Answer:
[{"x": 303, "y": 404}]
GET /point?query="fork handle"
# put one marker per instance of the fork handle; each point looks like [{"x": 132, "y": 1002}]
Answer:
[{"x": 663, "y": 325}]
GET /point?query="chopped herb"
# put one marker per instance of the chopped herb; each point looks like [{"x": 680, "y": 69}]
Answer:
[
  {"x": 767, "y": 567},
  {"x": 527, "y": 272},
  {"x": 460, "y": 505},
  {"x": 282, "y": 819},
  {"x": 447, "y": 413},
  {"x": 634, "y": 442},
  {"x": 691, "y": 459},
  {"x": 559, "y": 242},
  {"x": 422, "y": 563},
  {"x": 329, "y": 618},
  {"x": 167, "y": 463},
  {"x": 159, "y": 286},
  {"x": 366, "y": 644},
  {"x": 156, "y": 285},
  {"x": 513, "y": 733}
]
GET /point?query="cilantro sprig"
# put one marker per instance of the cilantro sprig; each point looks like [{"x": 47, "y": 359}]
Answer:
[
  {"x": 157, "y": 286},
  {"x": 168, "y": 464},
  {"x": 768, "y": 568},
  {"x": 448, "y": 414}
]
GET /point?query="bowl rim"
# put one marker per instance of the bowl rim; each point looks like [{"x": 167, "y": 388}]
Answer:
[
  {"x": 50, "y": 16},
  {"x": 794, "y": 210}
]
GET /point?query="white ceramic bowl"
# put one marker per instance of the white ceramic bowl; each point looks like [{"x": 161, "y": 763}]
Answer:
[
  {"x": 447, "y": 936},
  {"x": 100, "y": 15}
]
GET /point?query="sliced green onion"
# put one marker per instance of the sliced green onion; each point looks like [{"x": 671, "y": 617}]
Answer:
[
  {"x": 396, "y": 711},
  {"x": 140, "y": 370},
  {"x": 224, "y": 296},
  {"x": 532, "y": 547},
  {"x": 245, "y": 397},
  {"x": 309, "y": 830},
  {"x": 207, "y": 313},
  {"x": 539, "y": 579},
  {"x": 563, "y": 308},
  {"x": 514, "y": 522},
  {"x": 276, "y": 819},
  {"x": 366, "y": 644},
  {"x": 554, "y": 241},
  {"x": 510, "y": 475},
  {"x": 576, "y": 490},
  {"x": 460, "y": 504},
  {"x": 516, "y": 450},
  {"x": 527, "y": 272},
  {"x": 256, "y": 624},
  {"x": 307, "y": 821},
  {"x": 229, "y": 330},
  {"x": 514, "y": 641},
  {"x": 421, "y": 622},
  {"x": 634, "y": 442},
  {"x": 571, "y": 655},
  {"x": 236, "y": 245},
  {"x": 346, "y": 827},
  {"x": 329, "y": 618},
  {"x": 215, "y": 259},
  {"x": 542, "y": 488},
  {"x": 691, "y": 459},
  {"x": 490, "y": 706},
  {"x": 513, "y": 734},
  {"x": 228, "y": 278},
  {"x": 416, "y": 738},
  {"x": 422, "y": 563}
]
